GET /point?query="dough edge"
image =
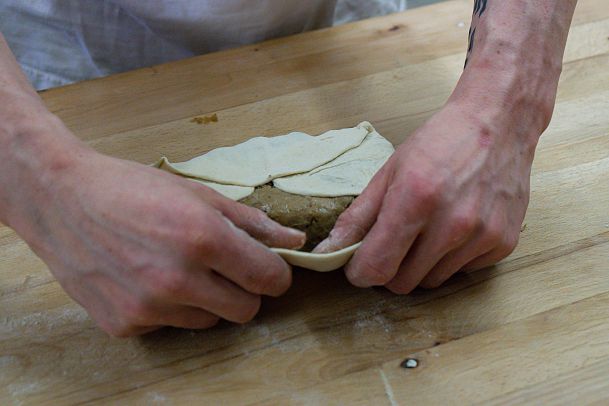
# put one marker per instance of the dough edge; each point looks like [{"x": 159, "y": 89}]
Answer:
[{"x": 318, "y": 262}]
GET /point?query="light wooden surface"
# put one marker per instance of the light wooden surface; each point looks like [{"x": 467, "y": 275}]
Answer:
[{"x": 533, "y": 329}]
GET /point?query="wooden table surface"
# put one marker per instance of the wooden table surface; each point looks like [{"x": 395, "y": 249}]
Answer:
[{"x": 534, "y": 328}]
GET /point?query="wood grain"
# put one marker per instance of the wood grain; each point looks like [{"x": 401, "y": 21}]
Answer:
[{"x": 533, "y": 329}]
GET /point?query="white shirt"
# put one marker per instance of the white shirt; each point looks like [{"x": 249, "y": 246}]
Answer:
[{"x": 63, "y": 41}]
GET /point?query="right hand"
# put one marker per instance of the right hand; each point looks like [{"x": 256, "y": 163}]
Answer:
[{"x": 139, "y": 248}]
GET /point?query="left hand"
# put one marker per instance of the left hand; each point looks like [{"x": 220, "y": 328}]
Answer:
[{"x": 453, "y": 196}]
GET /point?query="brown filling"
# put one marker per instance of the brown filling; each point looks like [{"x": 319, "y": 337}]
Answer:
[{"x": 315, "y": 216}]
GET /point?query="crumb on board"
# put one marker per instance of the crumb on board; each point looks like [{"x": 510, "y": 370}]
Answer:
[
  {"x": 410, "y": 363},
  {"x": 205, "y": 119}
]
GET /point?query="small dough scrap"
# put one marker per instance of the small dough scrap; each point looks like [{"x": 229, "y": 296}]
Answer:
[
  {"x": 262, "y": 159},
  {"x": 347, "y": 175}
]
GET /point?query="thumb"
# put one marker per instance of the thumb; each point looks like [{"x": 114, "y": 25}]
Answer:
[
  {"x": 355, "y": 222},
  {"x": 259, "y": 226}
]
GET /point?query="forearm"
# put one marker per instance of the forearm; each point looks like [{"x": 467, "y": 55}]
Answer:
[
  {"x": 18, "y": 99},
  {"x": 515, "y": 59},
  {"x": 32, "y": 140}
]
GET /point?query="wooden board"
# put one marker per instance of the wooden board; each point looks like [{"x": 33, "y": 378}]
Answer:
[{"x": 534, "y": 329}]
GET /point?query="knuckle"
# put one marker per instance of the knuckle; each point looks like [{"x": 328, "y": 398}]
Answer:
[
  {"x": 494, "y": 235},
  {"x": 431, "y": 283},
  {"x": 200, "y": 241},
  {"x": 249, "y": 311},
  {"x": 464, "y": 224},
  {"x": 509, "y": 244},
  {"x": 349, "y": 222},
  {"x": 200, "y": 323},
  {"x": 370, "y": 271},
  {"x": 253, "y": 214},
  {"x": 435, "y": 279},
  {"x": 170, "y": 284},
  {"x": 212, "y": 322},
  {"x": 424, "y": 189},
  {"x": 198, "y": 234},
  {"x": 438, "y": 278},
  {"x": 136, "y": 311},
  {"x": 118, "y": 330},
  {"x": 267, "y": 280},
  {"x": 400, "y": 288}
]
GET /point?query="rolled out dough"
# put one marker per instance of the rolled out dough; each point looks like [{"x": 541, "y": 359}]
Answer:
[
  {"x": 336, "y": 163},
  {"x": 347, "y": 175},
  {"x": 262, "y": 159},
  {"x": 318, "y": 262},
  {"x": 231, "y": 191}
]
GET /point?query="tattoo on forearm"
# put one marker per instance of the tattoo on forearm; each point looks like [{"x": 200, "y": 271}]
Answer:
[
  {"x": 472, "y": 38},
  {"x": 479, "y": 9}
]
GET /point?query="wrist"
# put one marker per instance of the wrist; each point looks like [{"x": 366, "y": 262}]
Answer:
[
  {"x": 34, "y": 147},
  {"x": 515, "y": 61},
  {"x": 514, "y": 93}
]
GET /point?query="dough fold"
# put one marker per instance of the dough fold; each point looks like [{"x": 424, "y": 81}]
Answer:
[
  {"x": 262, "y": 159},
  {"x": 347, "y": 175}
]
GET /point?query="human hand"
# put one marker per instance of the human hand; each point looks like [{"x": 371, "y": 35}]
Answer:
[
  {"x": 452, "y": 197},
  {"x": 139, "y": 248}
]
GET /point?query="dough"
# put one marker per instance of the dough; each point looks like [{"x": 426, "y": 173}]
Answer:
[
  {"x": 231, "y": 191},
  {"x": 315, "y": 216},
  {"x": 318, "y": 262},
  {"x": 347, "y": 175},
  {"x": 262, "y": 159},
  {"x": 336, "y": 164}
]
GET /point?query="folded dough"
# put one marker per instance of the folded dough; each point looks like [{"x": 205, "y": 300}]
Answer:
[
  {"x": 347, "y": 175},
  {"x": 336, "y": 163},
  {"x": 231, "y": 191},
  {"x": 262, "y": 159}
]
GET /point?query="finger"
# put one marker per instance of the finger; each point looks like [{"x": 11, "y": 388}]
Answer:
[
  {"x": 377, "y": 261},
  {"x": 355, "y": 222},
  {"x": 486, "y": 260},
  {"x": 258, "y": 225},
  {"x": 507, "y": 245},
  {"x": 452, "y": 263},
  {"x": 421, "y": 257},
  {"x": 131, "y": 312},
  {"x": 232, "y": 253},
  {"x": 426, "y": 253},
  {"x": 131, "y": 331},
  {"x": 253, "y": 221},
  {"x": 146, "y": 330},
  {"x": 145, "y": 317},
  {"x": 104, "y": 303},
  {"x": 209, "y": 291},
  {"x": 188, "y": 317}
]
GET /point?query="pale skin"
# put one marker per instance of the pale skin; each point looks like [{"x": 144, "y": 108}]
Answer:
[
  {"x": 141, "y": 249},
  {"x": 454, "y": 195}
]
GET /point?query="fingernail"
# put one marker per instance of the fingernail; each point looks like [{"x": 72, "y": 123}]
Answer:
[
  {"x": 323, "y": 247},
  {"x": 302, "y": 238},
  {"x": 355, "y": 278},
  {"x": 299, "y": 245},
  {"x": 295, "y": 233}
]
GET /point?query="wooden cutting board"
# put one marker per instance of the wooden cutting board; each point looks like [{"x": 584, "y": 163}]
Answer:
[{"x": 534, "y": 328}]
